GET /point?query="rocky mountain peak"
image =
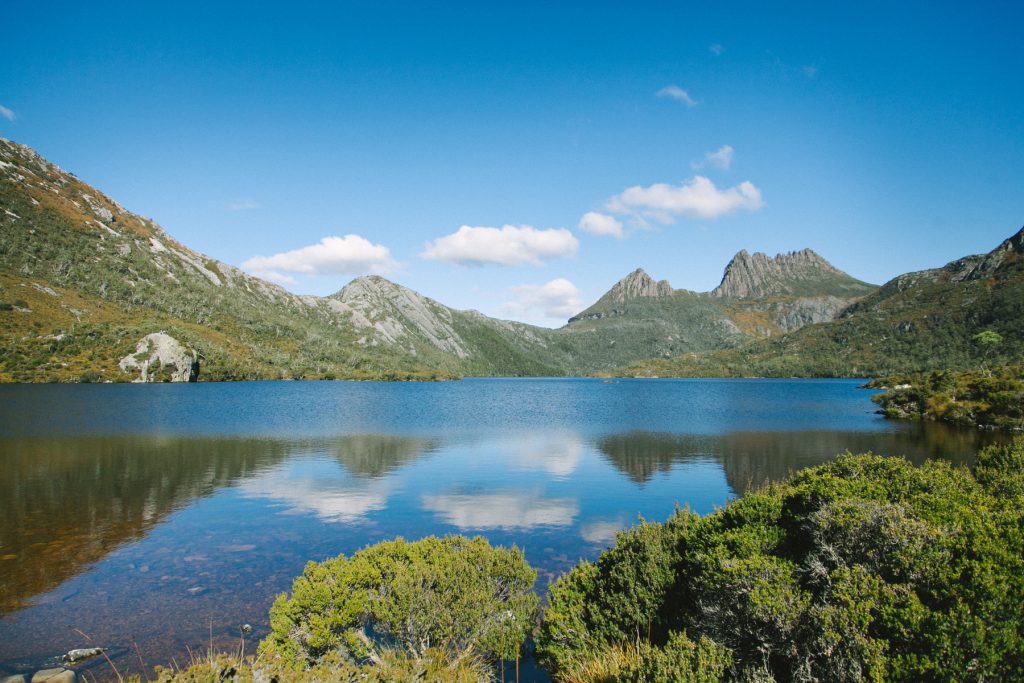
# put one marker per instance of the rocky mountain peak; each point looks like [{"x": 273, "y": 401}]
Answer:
[
  {"x": 638, "y": 284},
  {"x": 757, "y": 275}
]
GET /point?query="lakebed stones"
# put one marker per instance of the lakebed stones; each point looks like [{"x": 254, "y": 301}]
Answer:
[
  {"x": 160, "y": 357},
  {"x": 55, "y": 676}
]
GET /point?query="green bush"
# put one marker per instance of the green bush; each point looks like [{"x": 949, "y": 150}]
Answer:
[
  {"x": 455, "y": 595},
  {"x": 865, "y": 568}
]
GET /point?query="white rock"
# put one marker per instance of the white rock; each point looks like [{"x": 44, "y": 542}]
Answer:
[{"x": 156, "y": 351}]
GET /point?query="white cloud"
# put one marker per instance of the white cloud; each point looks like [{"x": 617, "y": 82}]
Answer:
[
  {"x": 276, "y": 277},
  {"x": 810, "y": 71},
  {"x": 6, "y": 113},
  {"x": 716, "y": 49},
  {"x": 697, "y": 198},
  {"x": 332, "y": 255},
  {"x": 720, "y": 158},
  {"x": 601, "y": 224},
  {"x": 508, "y": 510},
  {"x": 674, "y": 92},
  {"x": 558, "y": 298},
  {"x": 244, "y": 204},
  {"x": 509, "y": 245}
]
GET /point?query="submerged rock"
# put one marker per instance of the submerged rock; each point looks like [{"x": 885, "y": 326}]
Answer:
[
  {"x": 160, "y": 357},
  {"x": 82, "y": 653},
  {"x": 55, "y": 676}
]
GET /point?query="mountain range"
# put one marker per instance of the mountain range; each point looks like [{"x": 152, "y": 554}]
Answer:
[{"x": 84, "y": 283}]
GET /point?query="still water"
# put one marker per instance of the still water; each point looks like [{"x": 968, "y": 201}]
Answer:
[{"x": 152, "y": 519}]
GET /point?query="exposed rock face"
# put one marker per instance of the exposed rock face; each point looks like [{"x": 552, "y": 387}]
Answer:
[
  {"x": 158, "y": 351},
  {"x": 391, "y": 312},
  {"x": 755, "y": 276},
  {"x": 636, "y": 285},
  {"x": 792, "y": 315}
]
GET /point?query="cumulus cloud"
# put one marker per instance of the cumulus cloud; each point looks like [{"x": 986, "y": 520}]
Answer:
[
  {"x": 720, "y": 158},
  {"x": 510, "y": 245},
  {"x": 332, "y": 255},
  {"x": 696, "y": 198},
  {"x": 558, "y": 298},
  {"x": 244, "y": 204},
  {"x": 6, "y": 113},
  {"x": 601, "y": 224},
  {"x": 716, "y": 49},
  {"x": 674, "y": 92}
]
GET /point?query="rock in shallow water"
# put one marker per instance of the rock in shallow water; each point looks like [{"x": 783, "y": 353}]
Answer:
[{"x": 55, "y": 676}]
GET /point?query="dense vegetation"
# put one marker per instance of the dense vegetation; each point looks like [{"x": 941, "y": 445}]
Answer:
[
  {"x": 979, "y": 398},
  {"x": 862, "y": 569}
]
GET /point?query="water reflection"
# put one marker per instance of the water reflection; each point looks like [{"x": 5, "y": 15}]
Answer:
[
  {"x": 67, "y": 503},
  {"x": 508, "y": 510},
  {"x": 376, "y": 455},
  {"x": 556, "y": 452},
  {"x": 751, "y": 459}
]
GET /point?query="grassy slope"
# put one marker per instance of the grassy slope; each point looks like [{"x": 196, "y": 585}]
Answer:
[{"x": 118, "y": 277}]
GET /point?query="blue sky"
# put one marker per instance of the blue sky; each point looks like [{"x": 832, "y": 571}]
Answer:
[{"x": 316, "y": 142}]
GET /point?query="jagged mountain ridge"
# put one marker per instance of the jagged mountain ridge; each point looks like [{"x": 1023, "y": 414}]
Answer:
[
  {"x": 759, "y": 297},
  {"x": 94, "y": 278},
  {"x": 804, "y": 272},
  {"x": 917, "y": 321}
]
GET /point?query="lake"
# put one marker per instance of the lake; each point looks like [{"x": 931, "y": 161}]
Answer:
[{"x": 152, "y": 519}]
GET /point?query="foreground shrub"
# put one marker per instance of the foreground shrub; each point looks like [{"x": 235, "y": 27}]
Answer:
[
  {"x": 865, "y": 568},
  {"x": 434, "y": 665},
  {"x": 456, "y": 598}
]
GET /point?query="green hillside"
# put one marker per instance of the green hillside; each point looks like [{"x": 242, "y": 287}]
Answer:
[{"x": 916, "y": 322}]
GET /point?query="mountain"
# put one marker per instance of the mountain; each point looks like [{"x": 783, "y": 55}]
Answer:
[
  {"x": 798, "y": 273},
  {"x": 759, "y": 297},
  {"x": 918, "y": 321},
  {"x": 89, "y": 290},
  {"x": 83, "y": 280}
]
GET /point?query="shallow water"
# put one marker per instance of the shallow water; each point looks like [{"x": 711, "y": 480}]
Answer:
[{"x": 152, "y": 519}]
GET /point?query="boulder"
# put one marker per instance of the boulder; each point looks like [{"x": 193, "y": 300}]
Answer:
[{"x": 160, "y": 357}]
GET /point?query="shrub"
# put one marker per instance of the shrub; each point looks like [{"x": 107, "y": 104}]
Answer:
[
  {"x": 454, "y": 595},
  {"x": 865, "y": 568}
]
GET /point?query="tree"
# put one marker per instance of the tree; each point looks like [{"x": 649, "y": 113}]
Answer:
[
  {"x": 988, "y": 341},
  {"x": 453, "y": 594}
]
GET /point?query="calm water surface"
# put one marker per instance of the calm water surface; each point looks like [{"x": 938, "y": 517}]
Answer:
[{"x": 151, "y": 515}]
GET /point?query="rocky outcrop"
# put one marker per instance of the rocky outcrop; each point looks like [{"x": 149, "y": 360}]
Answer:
[
  {"x": 638, "y": 284},
  {"x": 159, "y": 357},
  {"x": 792, "y": 315},
  {"x": 389, "y": 312},
  {"x": 757, "y": 275}
]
